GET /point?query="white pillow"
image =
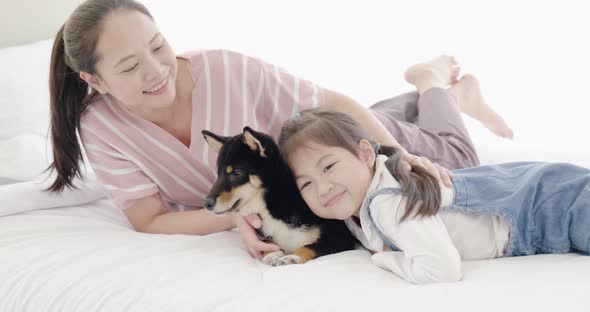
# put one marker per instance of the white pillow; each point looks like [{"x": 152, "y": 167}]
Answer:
[
  {"x": 24, "y": 110},
  {"x": 23, "y": 157},
  {"x": 24, "y": 89}
]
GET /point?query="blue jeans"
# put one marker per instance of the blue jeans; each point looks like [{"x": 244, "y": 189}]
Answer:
[{"x": 547, "y": 205}]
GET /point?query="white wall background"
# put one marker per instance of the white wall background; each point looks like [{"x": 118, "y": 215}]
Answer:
[
  {"x": 531, "y": 56},
  {"x": 25, "y": 21}
]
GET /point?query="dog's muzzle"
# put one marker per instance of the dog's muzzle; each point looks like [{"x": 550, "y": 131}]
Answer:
[{"x": 209, "y": 203}]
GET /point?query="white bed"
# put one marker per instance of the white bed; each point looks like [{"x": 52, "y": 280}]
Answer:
[
  {"x": 79, "y": 253},
  {"x": 86, "y": 258}
]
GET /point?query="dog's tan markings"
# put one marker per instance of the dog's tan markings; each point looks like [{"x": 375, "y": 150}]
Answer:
[
  {"x": 229, "y": 169},
  {"x": 253, "y": 143},
  {"x": 255, "y": 181},
  {"x": 251, "y": 197},
  {"x": 305, "y": 254},
  {"x": 226, "y": 197}
]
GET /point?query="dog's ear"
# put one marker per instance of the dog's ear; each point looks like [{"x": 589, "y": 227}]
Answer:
[
  {"x": 214, "y": 141},
  {"x": 253, "y": 142}
]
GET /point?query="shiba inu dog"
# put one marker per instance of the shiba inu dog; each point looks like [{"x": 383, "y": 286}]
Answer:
[{"x": 253, "y": 177}]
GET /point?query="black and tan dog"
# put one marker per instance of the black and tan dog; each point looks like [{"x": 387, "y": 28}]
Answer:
[{"x": 252, "y": 177}]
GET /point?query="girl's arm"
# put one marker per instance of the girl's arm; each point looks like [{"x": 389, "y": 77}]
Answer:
[
  {"x": 150, "y": 215},
  {"x": 428, "y": 254}
]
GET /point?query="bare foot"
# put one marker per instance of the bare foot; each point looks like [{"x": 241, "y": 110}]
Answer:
[
  {"x": 472, "y": 103},
  {"x": 437, "y": 73}
]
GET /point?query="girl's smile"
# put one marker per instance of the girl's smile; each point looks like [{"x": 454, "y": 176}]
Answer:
[
  {"x": 332, "y": 180},
  {"x": 334, "y": 199}
]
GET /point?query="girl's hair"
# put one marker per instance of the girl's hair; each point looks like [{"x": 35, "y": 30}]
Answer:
[
  {"x": 333, "y": 128},
  {"x": 74, "y": 50}
]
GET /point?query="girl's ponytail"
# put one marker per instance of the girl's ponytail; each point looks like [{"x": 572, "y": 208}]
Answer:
[
  {"x": 68, "y": 98},
  {"x": 419, "y": 187}
]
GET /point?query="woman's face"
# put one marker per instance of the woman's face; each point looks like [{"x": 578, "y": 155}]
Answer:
[{"x": 135, "y": 63}]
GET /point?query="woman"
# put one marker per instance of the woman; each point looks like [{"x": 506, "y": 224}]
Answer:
[{"x": 141, "y": 120}]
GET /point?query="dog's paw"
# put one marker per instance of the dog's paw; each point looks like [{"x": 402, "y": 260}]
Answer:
[
  {"x": 289, "y": 259},
  {"x": 272, "y": 257},
  {"x": 278, "y": 258}
]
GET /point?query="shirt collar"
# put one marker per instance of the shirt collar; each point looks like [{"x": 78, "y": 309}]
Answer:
[{"x": 365, "y": 233}]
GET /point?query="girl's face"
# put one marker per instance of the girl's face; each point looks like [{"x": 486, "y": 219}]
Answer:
[
  {"x": 332, "y": 180},
  {"x": 135, "y": 63}
]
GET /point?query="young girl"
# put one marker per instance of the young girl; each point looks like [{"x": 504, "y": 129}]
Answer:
[
  {"x": 420, "y": 229},
  {"x": 139, "y": 108}
]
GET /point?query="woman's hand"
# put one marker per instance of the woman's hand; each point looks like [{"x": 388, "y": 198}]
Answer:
[
  {"x": 246, "y": 227},
  {"x": 441, "y": 173}
]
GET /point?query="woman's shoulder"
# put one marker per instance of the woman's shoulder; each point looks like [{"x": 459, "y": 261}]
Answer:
[
  {"x": 99, "y": 115},
  {"x": 199, "y": 54},
  {"x": 95, "y": 108},
  {"x": 217, "y": 59}
]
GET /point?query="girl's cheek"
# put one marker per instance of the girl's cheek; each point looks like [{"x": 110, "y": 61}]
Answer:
[
  {"x": 319, "y": 213},
  {"x": 311, "y": 204},
  {"x": 308, "y": 201}
]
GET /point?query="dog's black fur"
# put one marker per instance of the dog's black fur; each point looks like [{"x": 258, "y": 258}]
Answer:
[{"x": 253, "y": 177}]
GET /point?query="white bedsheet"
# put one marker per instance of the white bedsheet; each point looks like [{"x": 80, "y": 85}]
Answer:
[{"x": 87, "y": 258}]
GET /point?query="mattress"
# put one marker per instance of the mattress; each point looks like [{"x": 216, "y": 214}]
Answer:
[{"x": 88, "y": 258}]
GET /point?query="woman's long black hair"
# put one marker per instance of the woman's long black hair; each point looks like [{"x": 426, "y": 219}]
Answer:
[{"x": 74, "y": 51}]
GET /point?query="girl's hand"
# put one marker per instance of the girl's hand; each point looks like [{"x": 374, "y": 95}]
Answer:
[
  {"x": 441, "y": 173},
  {"x": 246, "y": 227}
]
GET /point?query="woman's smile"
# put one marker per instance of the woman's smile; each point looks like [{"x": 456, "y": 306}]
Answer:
[{"x": 159, "y": 88}]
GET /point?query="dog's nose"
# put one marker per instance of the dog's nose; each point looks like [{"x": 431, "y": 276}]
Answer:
[{"x": 209, "y": 203}]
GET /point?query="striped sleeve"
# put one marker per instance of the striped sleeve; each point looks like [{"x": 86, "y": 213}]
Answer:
[
  {"x": 284, "y": 94},
  {"x": 240, "y": 90},
  {"x": 124, "y": 181}
]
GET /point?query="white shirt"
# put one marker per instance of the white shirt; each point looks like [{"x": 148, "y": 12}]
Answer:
[{"x": 432, "y": 247}]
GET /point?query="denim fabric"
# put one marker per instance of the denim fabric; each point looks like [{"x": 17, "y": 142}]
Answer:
[
  {"x": 387, "y": 190},
  {"x": 546, "y": 205}
]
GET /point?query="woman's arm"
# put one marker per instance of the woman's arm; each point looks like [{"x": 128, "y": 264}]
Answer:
[
  {"x": 150, "y": 215},
  {"x": 342, "y": 103}
]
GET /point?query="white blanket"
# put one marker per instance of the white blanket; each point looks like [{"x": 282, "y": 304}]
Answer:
[{"x": 87, "y": 258}]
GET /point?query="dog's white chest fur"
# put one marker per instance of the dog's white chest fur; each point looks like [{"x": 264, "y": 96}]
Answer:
[{"x": 288, "y": 238}]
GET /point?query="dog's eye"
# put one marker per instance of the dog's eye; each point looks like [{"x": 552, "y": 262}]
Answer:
[{"x": 236, "y": 172}]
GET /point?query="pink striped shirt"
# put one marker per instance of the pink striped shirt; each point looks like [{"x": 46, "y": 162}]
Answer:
[{"x": 134, "y": 158}]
